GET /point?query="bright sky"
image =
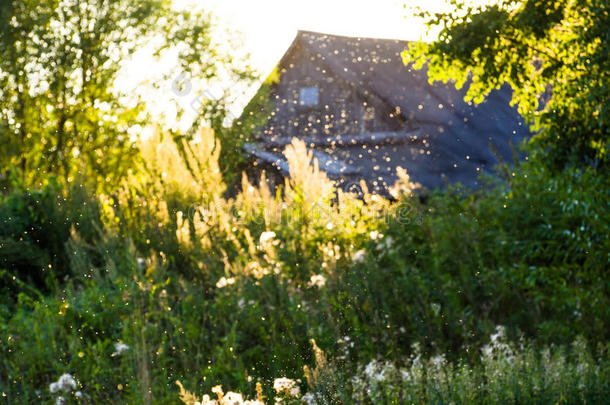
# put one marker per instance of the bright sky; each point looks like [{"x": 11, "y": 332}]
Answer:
[{"x": 267, "y": 28}]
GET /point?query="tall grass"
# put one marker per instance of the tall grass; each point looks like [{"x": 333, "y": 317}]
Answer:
[
  {"x": 506, "y": 374},
  {"x": 216, "y": 291}
]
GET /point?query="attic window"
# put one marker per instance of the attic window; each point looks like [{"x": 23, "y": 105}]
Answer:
[
  {"x": 368, "y": 119},
  {"x": 308, "y": 96}
]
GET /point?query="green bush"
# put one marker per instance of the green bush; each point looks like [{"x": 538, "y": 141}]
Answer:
[{"x": 35, "y": 226}]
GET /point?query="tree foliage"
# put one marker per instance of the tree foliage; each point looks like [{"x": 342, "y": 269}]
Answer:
[
  {"x": 555, "y": 56},
  {"x": 61, "y": 111}
]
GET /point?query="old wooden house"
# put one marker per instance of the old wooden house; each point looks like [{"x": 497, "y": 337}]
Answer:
[{"x": 364, "y": 113}]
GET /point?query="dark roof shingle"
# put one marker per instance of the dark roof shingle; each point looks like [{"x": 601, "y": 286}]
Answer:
[{"x": 454, "y": 136}]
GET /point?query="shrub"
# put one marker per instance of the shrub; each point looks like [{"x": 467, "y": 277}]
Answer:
[{"x": 35, "y": 227}]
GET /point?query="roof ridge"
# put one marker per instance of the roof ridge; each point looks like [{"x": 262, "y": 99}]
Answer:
[{"x": 318, "y": 33}]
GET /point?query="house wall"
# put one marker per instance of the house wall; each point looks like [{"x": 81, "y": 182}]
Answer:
[{"x": 341, "y": 108}]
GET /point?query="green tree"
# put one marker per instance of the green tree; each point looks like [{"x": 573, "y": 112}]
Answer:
[
  {"x": 61, "y": 112},
  {"x": 555, "y": 56}
]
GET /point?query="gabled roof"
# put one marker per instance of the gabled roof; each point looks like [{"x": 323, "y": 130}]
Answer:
[{"x": 454, "y": 136}]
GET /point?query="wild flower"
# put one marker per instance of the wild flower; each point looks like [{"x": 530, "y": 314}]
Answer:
[
  {"x": 331, "y": 251},
  {"x": 141, "y": 262},
  {"x": 223, "y": 282},
  {"x": 229, "y": 398},
  {"x": 309, "y": 399},
  {"x": 386, "y": 244},
  {"x": 438, "y": 362},
  {"x": 359, "y": 256},
  {"x": 206, "y": 400},
  {"x": 267, "y": 239},
  {"x": 499, "y": 335},
  {"x": 60, "y": 401},
  {"x": 376, "y": 371},
  {"x": 405, "y": 375},
  {"x": 345, "y": 344},
  {"x": 65, "y": 383},
  {"x": 120, "y": 348},
  {"x": 374, "y": 235},
  {"x": 255, "y": 269},
  {"x": 317, "y": 280},
  {"x": 371, "y": 381},
  {"x": 217, "y": 389},
  {"x": 232, "y": 398},
  {"x": 497, "y": 346},
  {"x": 286, "y": 387}
]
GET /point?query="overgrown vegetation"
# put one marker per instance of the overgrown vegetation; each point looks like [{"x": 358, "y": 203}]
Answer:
[
  {"x": 69, "y": 109},
  {"x": 213, "y": 291},
  {"x": 306, "y": 295}
]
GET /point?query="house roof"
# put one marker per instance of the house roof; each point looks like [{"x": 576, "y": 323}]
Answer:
[{"x": 453, "y": 138}]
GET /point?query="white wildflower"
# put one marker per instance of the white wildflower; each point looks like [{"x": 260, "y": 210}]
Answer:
[
  {"x": 223, "y": 282},
  {"x": 317, "y": 280},
  {"x": 438, "y": 361},
  {"x": 370, "y": 368},
  {"x": 389, "y": 242},
  {"x": 141, "y": 263},
  {"x": 266, "y": 236},
  {"x": 60, "y": 401},
  {"x": 499, "y": 335},
  {"x": 359, "y": 256},
  {"x": 78, "y": 394},
  {"x": 487, "y": 351},
  {"x": 65, "y": 383},
  {"x": 267, "y": 239},
  {"x": 386, "y": 244},
  {"x": 287, "y": 387},
  {"x": 375, "y": 371},
  {"x": 120, "y": 348},
  {"x": 255, "y": 269},
  {"x": 309, "y": 399},
  {"x": 232, "y": 398},
  {"x": 206, "y": 400},
  {"x": 346, "y": 341},
  {"x": 375, "y": 235},
  {"x": 497, "y": 346},
  {"x": 405, "y": 374}
]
